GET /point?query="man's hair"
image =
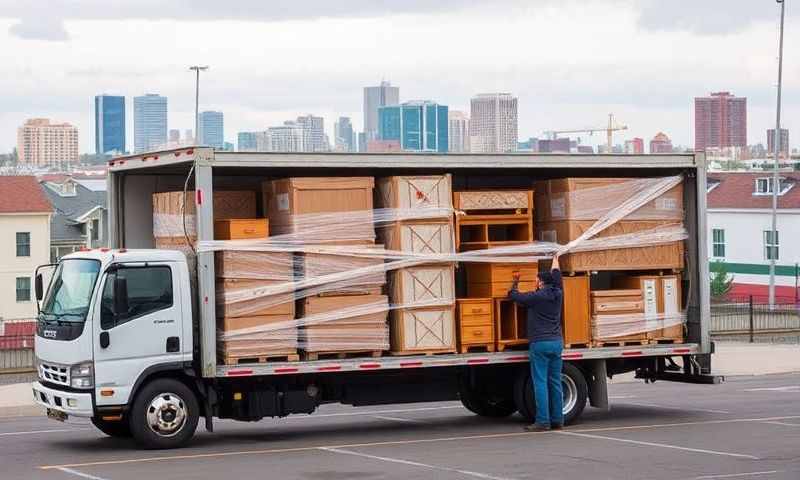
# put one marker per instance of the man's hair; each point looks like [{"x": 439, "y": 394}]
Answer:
[{"x": 546, "y": 277}]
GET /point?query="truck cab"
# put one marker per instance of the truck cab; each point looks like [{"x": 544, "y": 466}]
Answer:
[{"x": 109, "y": 320}]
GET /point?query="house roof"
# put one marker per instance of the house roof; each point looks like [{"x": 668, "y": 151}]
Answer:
[
  {"x": 737, "y": 190},
  {"x": 69, "y": 210},
  {"x": 22, "y": 194}
]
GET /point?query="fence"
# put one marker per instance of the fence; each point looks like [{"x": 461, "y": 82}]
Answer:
[
  {"x": 16, "y": 346},
  {"x": 755, "y": 316}
]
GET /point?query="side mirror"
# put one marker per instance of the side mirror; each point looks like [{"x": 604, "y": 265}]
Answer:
[
  {"x": 39, "y": 287},
  {"x": 120, "y": 295}
]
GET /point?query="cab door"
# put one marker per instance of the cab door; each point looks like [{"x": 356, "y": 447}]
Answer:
[{"x": 137, "y": 325}]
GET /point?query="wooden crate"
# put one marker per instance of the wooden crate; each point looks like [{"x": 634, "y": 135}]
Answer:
[
  {"x": 429, "y": 236},
  {"x": 312, "y": 266},
  {"x": 495, "y": 279},
  {"x": 421, "y": 284},
  {"x": 229, "y": 324},
  {"x": 423, "y": 330},
  {"x": 254, "y": 265},
  {"x": 353, "y": 323},
  {"x": 591, "y": 198},
  {"x": 168, "y": 218},
  {"x": 662, "y": 301},
  {"x": 309, "y": 204},
  {"x": 664, "y": 256},
  {"x": 229, "y": 291},
  {"x": 510, "y": 321},
  {"x": 476, "y": 329},
  {"x": 575, "y": 312},
  {"x": 413, "y": 192},
  {"x": 241, "y": 228}
]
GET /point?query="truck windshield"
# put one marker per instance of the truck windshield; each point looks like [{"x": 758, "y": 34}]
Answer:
[{"x": 70, "y": 291}]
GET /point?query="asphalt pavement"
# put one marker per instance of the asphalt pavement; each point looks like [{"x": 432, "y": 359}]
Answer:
[{"x": 746, "y": 428}]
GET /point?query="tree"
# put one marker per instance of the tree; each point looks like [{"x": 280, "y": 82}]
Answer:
[{"x": 721, "y": 280}]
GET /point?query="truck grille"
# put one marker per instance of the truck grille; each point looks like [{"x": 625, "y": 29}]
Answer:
[{"x": 54, "y": 373}]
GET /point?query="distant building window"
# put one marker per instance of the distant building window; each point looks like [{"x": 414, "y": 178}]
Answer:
[
  {"x": 23, "y": 244},
  {"x": 764, "y": 186},
  {"x": 771, "y": 245},
  {"x": 718, "y": 242},
  {"x": 23, "y": 289}
]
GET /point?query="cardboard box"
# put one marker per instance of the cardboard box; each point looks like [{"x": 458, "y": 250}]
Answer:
[
  {"x": 662, "y": 302},
  {"x": 230, "y": 291},
  {"x": 315, "y": 265},
  {"x": 168, "y": 218},
  {"x": 430, "y": 236},
  {"x": 414, "y": 192},
  {"x": 276, "y": 266}
]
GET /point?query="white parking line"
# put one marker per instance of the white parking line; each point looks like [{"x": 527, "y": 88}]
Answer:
[
  {"x": 414, "y": 464},
  {"x": 397, "y": 419},
  {"x": 684, "y": 409},
  {"x": 79, "y": 474},
  {"x": 735, "y": 475},
  {"x": 36, "y": 432},
  {"x": 785, "y": 424},
  {"x": 787, "y": 389},
  {"x": 662, "y": 445}
]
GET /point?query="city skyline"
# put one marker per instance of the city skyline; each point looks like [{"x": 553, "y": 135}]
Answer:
[{"x": 648, "y": 91}]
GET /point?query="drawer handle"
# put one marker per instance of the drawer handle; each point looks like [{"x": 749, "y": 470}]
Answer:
[
  {"x": 249, "y": 230},
  {"x": 476, "y": 310},
  {"x": 477, "y": 333}
]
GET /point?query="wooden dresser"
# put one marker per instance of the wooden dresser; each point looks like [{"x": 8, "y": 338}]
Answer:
[{"x": 475, "y": 324}]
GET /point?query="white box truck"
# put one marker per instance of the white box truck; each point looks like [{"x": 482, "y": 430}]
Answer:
[{"x": 155, "y": 375}]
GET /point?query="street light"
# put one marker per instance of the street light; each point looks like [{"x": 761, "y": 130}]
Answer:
[
  {"x": 197, "y": 69},
  {"x": 775, "y": 182}
]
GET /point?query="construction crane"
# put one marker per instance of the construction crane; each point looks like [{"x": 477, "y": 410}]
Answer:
[{"x": 613, "y": 126}]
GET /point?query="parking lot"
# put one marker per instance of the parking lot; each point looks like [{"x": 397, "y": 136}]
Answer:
[{"x": 748, "y": 427}]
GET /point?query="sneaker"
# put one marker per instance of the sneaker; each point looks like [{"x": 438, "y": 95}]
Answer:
[
  {"x": 556, "y": 426},
  {"x": 535, "y": 427}
]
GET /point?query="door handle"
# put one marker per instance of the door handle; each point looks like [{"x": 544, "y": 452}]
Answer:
[
  {"x": 105, "y": 340},
  {"x": 173, "y": 344}
]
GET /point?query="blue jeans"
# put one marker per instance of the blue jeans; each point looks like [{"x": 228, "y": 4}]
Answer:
[{"x": 545, "y": 357}]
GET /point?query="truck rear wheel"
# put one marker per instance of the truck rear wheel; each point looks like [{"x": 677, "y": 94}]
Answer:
[
  {"x": 164, "y": 414},
  {"x": 573, "y": 385},
  {"x": 118, "y": 429},
  {"x": 486, "y": 405}
]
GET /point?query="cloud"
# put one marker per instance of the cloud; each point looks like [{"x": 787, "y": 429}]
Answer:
[
  {"x": 50, "y": 30},
  {"x": 706, "y": 17}
]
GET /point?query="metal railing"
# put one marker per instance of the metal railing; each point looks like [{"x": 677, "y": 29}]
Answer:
[{"x": 755, "y": 316}]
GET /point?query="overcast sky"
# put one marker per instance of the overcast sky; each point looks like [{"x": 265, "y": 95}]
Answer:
[{"x": 569, "y": 62}]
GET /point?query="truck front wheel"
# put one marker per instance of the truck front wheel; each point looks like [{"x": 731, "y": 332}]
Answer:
[
  {"x": 118, "y": 429},
  {"x": 164, "y": 414},
  {"x": 573, "y": 385}
]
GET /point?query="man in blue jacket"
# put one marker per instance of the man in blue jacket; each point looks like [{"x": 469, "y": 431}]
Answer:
[{"x": 546, "y": 344}]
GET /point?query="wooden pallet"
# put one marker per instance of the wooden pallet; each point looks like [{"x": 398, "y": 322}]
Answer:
[
  {"x": 621, "y": 343},
  {"x": 503, "y": 345},
  {"x": 271, "y": 358},
  {"x": 312, "y": 356},
  {"x": 665, "y": 341},
  {"x": 402, "y": 353},
  {"x": 473, "y": 348},
  {"x": 577, "y": 345}
]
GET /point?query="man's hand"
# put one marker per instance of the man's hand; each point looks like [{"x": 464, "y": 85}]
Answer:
[
  {"x": 515, "y": 276},
  {"x": 555, "y": 266}
]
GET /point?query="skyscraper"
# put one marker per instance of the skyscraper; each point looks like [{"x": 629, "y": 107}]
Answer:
[
  {"x": 174, "y": 136},
  {"x": 109, "y": 124},
  {"x": 457, "y": 132},
  {"x": 44, "y": 144},
  {"x": 344, "y": 140},
  {"x": 149, "y": 122},
  {"x": 374, "y": 97},
  {"x": 188, "y": 137},
  {"x": 288, "y": 137},
  {"x": 247, "y": 142},
  {"x": 661, "y": 143},
  {"x": 783, "y": 141},
  {"x": 635, "y": 145},
  {"x": 420, "y": 126},
  {"x": 720, "y": 121},
  {"x": 314, "y": 139},
  {"x": 493, "y": 123},
  {"x": 211, "y": 129}
]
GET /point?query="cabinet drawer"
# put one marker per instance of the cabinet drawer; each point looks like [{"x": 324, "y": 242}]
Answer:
[
  {"x": 477, "y": 334},
  {"x": 497, "y": 289},
  {"x": 241, "y": 228},
  {"x": 470, "y": 307},
  {"x": 474, "y": 320}
]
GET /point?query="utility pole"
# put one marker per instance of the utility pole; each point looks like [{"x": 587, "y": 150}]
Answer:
[
  {"x": 197, "y": 69},
  {"x": 775, "y": 180}
]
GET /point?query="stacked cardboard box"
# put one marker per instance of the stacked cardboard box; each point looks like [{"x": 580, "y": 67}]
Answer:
[
  {"x": 338, "y": 312},
  {"x": 661, "y": 295},
  {"x": 423, "y": 297},
  {"x": 569, "y": 206}
]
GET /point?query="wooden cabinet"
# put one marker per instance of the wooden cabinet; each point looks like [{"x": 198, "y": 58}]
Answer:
[
  {"x": 495, "y": 279},
  {"x": 511, "y": 321},
  {"x": 576, "y": 313},
  {"x": 662, "y": 305},
  {"x": 475, "y": 324},
  {"x": 490, "y": 219},
  {"x": 241, "y": 228},
  {"x": 618, "y": 317}
]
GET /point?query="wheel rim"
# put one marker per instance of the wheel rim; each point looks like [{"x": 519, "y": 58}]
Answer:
[
  {"x": 166, "y": 414},
  {"x": 570, "y": 393}
]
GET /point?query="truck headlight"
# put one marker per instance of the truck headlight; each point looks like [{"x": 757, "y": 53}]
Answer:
[{"x": 81, "y": 375}]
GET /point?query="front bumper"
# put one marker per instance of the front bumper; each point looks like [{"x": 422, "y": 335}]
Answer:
[{"x": 72, "y": 403}]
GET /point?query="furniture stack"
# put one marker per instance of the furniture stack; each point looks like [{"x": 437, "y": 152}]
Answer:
[
  {"x": 419, "y": 220},
  {"x": 661, "y": 295},
  {"x": 618, "y": 317},
  {"x": 339, "y": 313},
  {"x": 492, "y": 219}
]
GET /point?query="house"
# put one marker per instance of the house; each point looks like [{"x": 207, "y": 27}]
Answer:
[
  {"x": 740, "y": 225},
  {"x": 24, "y": 244},
  {"x": 80, "y": 218}
]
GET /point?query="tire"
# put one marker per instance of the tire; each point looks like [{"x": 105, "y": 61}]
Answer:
[
  {"x": 573, "y": 383},
  {"x": 118, "y": 429},
  {"x": 485, "y": 406},
  {"x": 164, "y": 414}
]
